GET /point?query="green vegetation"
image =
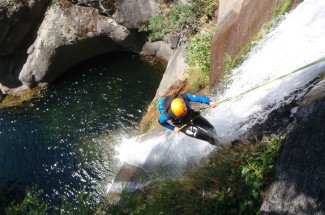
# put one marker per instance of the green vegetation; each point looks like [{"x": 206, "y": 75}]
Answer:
[
  {"x": 181, "y": 17},
  {"x": 283, "y": 8},
  {"x": 228, "y": 65},
  {"x": 206, "y": 8},
  {"x": 34, "y": 204},
  {"x": 54, "y": 2},
  {"x": 30, "y": 205},
  {"x": 232, "y": 181},
  {"x": 198, "y": 58},
  {"x": 189, "y": 19}
]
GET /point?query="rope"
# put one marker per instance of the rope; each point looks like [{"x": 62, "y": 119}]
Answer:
[
  {"x": 271, "y": 81},
  {"x": 170, "y": 143},
  {"x": 160, "y": 162},
  {"x": 223, "y": 101}
]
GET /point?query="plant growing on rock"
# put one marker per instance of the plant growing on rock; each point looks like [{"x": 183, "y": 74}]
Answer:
[
  {"x": 231, "y": 181},
  {"x": 182, "y": 17},
  {"x": 198, "y": 58},
  {"x": 179, "y": 18}
]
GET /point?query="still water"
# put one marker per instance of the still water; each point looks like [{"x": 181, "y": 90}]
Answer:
[{"x": 63, "y": 141}]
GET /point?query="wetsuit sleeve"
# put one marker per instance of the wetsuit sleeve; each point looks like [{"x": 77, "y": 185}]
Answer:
[
  {"x": 201, "y": 99},
  {"x": 163, "y": 121}
]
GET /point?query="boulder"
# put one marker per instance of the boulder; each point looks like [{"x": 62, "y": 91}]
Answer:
[
  {"x": 159, "y": 48},
  {"x": 68, "y": 33},
  {"x": 134, "y": 13},
  {"x": 68, "y": 36},
  {"x": 298, "y": 186}
]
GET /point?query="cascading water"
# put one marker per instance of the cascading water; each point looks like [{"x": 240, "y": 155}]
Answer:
[{"x": 295, "y": 42}]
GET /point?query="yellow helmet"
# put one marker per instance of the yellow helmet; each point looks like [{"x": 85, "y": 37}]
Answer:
[{"x": 179, "y": 107}]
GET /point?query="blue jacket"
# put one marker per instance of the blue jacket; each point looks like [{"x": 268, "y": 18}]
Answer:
[{"x": 164, "y": 105}]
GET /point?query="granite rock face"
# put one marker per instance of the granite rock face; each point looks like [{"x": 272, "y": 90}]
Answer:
[
  {"x": 39, "y": 42},
  {"x": 175, "y": 71},
  {"x": 238, "y": 22},
  {"x": 18, "y": 19},
  {"x": 298, "y": 186},
  {"x": 134, "y": 13},
  {"x": 129, "y": 13},
  {"x": 68, "y": 36}
]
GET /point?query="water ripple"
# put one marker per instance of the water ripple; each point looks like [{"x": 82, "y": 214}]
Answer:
[{"x": 64, "y": 141}]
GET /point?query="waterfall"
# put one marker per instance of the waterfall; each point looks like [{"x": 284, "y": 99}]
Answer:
[
  {"x": 298, "y": 40},
  {"x": 295, "y": 42}
]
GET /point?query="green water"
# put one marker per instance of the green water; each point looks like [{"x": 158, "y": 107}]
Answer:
[{"x": 64, "y": 140}]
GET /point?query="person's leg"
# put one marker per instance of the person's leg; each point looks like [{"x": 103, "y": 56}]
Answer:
[
  {"x": 207, "y": 129},
  {"x": 200, "y": 121},
  {"x": 200, "y": 133}
]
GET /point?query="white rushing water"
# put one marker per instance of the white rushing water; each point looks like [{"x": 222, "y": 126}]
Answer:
[{"x": 297, "y": 41}]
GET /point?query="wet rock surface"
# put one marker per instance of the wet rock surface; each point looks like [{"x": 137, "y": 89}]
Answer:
[
  {"x": 298, "y": 185},
  {"x": 239, "y": 21}
]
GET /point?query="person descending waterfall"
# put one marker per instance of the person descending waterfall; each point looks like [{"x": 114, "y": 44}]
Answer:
[{"x": 177, "y": 108}]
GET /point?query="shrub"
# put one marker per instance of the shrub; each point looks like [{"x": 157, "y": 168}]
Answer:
[
  {"x": 206, "y": 7},
  {"x": 32, "y": 204},
  {"x": 198, "y": 52},
  {"x": 198, "y": 58},
  {"x": 232, "y": 181},
  {"x": 179, "y": 18}
]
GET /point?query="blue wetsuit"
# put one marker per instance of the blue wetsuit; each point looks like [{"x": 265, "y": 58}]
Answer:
[
  {"x": 193, "y": 124},
  {"x": 164, "y": 104}
]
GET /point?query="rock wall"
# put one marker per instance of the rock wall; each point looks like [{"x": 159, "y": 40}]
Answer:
[
  {"x": 18, "y": 20},
  {"x": 298, "y": 186},
  {"x": 67, "y": 33},
  {"x": 71, "y": 31},
  {"x": 238, "y": 22},
  {"x": 68, "y": 36},
  {"x": 175, "y": 71}
]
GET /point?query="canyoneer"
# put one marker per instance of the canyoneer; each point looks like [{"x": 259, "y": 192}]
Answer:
[{"x": 177, "y": 109}]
